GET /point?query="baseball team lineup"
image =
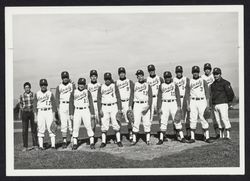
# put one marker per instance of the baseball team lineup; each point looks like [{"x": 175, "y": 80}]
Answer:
[{"x": 186, "y": 100}]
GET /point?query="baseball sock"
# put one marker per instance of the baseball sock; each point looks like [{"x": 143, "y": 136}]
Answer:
[
  {"x": 134, "y": 137},
  {"x": 161, "y": 136},
  {"x": 91, "y": 140},
  {"x": 40, "y": 141},
  {"x": 104, "y": 137},
  {"x": 206, "y": 133},
  {"x": 53, "y": 141},
  {"x": 220, "y": 133},
  {"x": 74, "y": 141},
  {"x": 192, "y": 134},
  {"x": 118, "y": 137},
  {"x": 64, "y": 140},
  {"x": 147, "y": 136},
  {"x": 228, "y": 133},
  {"x": 223, "y": 132},
  {"x": 181, "y": 134}
]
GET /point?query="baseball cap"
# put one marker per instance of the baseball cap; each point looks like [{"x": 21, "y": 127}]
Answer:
[
  {"x": 207, "y": 66},
  {"x": 217, "y": 70},
  {"x": 151, "y": 67},
  {"x": 139, "y": 72},
  {"x": 65, "y": 74},
  {"x": 178, "y": 69},
  {"x": 27, "y": 84},
  {"x": 93, "y": 72},
  {"x": 167, "y": 74},
  {"x": 43, "y": 82},
  {"x": 195, "y": 69},
  {"x": 107, "y": 76},
  {"x": 121, "y": 70},
  {"x": 82, "y": 81}
]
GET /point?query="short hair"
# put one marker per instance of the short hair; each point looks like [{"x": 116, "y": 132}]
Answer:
[{"x": 26, "y": 83}]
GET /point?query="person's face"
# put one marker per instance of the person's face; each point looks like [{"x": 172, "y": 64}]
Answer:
[
  {"x": 44, "y": 88},
  {"x": 122, "y": 75},
  {"x": 27, "y": 89},
  {"x": 168, "y": 79},
  {"x": 65, "y": 80},
  {"x": 140, "y": 78},
  {"x": 207, "y": 71},
  {"x": 93, "y": 78},
  {"x": 107, "y": 82},
  {"x": 195, "y": 75},
  {"x": 152, "y": 72},
  {"x": 80, "y": 86},
  {"x": 179, "y": 74},
  {"x": 217, "y": 76}
]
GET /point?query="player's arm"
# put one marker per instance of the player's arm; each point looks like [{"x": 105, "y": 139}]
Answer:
[
  {"x": 74, "y": 86},
  {"x": 57, "y": 96},
  {"x": 178, "y": 97},
  {"x": 131, "y": 97},
  {"x": 91, "y": 104},
  {"x": 71, "y": 103},
  {"x": 229, "y": 91},
  {"x": 159, "y": 98},
  {"x": 187, "y": 94},
  {"x": 207, "y": 94},
  {"x": 21, "y": 102},
  {"x": 99, "y": 99},
  {"x": 35, "y": 104},
  {"x": 150, "y": 96},
  {"x": 53, "y": 103},
  {"x": 118, "y": 97}
]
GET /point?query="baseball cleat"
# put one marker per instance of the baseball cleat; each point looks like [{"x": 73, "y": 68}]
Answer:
[
  {"x": 53, "y": 148},
  {"x": 191, "y": 141},
  {"x": 92, "y": 146},
  {"x": 103, "y": 145},
  {"x": 119, "y": 144},
  {"x": 217, "y": 136},
  {"x": 64, "y": 145},
  {"x": 74, "y": 147},
  {"x": 183, "y": 140},
  {"x": 147, "y": 142},
  {"x": 208, "y": 140},
  {"x": 41, "y": 148},
  {"x": 160, "y": 142}
]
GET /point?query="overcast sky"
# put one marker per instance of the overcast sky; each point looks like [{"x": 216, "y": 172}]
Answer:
[{"x": 46, "y": 45}]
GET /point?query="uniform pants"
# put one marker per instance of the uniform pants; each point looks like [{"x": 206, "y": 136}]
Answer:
[
  {"x": 44, "y": 120},
  {"x": 125, "y": 106},
  {"x": 221, "y": 116},
  {"x": 65, "y": 120},
  {"x": 96, "y": 111},
  {"x": 109, "y": 112},
  {"x": 153, "y": 108},
  {"x": 169, "y": 108},
  {"x": 28, "y": 116},
  {"x": 197, "y": 108},
  {"x": 79, "y": 116},
  {"x": 138, "y": 116}
]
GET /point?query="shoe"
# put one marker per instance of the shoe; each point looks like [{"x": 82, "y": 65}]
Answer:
[
  {"x": 41, "y": 148},
  {"x": 133, "y": 143},
  {"x": 217, "y": 136},
  {"x": 35, "y": 148},
  {"x": 103, "y": 145},
  {"x": 119, "y": 144},
  {"x": 24, "y": 149},
  {"x": 53, "y": 148},
  {"x": 191, "y": 141},
  {"x": 64, "y": 145},
  {"x": 160, "y": 142},
  {"x": 208, "y": 140},
  {"x": 74, "y": 147},
  {"x": 228, "y": 139},
  {"x": 147, "y": 142},
  {"x": 183, "y": 140},
  {"x": 92, "y": 146}
]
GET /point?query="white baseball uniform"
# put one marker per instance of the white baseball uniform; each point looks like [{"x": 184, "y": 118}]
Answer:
[
  {"x": 109, "y": 102},
  {"x": 198, "y": 103},
  {"x": 93, "y": 89},
  {"x": 124, "y": 87},
  {"x": 62, "y": 96},
  {"x": 168, "y": 100},
  {"x": 155, "y": 84},
  {"x": 81, "y": 104},
  {"x": 142, "y": 99},
  {"x": 209, "y": 79}
]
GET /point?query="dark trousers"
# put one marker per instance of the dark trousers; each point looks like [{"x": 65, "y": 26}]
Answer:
[{"x": 26, "y": 117}]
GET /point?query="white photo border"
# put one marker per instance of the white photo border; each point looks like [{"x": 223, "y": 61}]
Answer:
[{"x": 10, "y": 11}]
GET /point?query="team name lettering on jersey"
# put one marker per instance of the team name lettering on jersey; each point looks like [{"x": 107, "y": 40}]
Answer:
[
  {"x": 181, "y": 83},
  {"x": 81, "y": 98},
  {"x": 168, "y": 91},
  {"x": 44, "y": 99},
  {"x": 197, "y": 84},
  {"x": 197, "y": 88},
  {"x": 209, "y": 79},
  {"x": 140, "y": 88},
  {"x": 93, "y": 89},
  {"x": 154, "y": 83},
  {"x": 141, "y": 92},
  {"x": 108, "y": 94},
  {"x": 65, "y": 91},
  {"x": 124, "y": 88},
  {"x": 108, "y": 91}
]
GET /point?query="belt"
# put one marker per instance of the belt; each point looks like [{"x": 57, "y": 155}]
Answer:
[
  {"x": 111, "y": 104},
  {"x": 141, "y": 102},
  {"x": 125, "y": 100},
  {"x": 168, "y": 100},
  {"x": 197, "y": 98},
  {"x": 95, "y": 101},
  {"x": 154, "y": 95},
  {"x": 45, "y": 109},
  {"x": 66, "y": 102},
  {"x": 81, "y": 108},
  {"x": 181, "y": 96}
]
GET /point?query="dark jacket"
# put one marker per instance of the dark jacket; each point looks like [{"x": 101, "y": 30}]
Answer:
[{"x": 221, "y": 92}]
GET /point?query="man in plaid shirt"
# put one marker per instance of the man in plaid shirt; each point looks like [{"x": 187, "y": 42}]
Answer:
[{"x": 26, "y": 107}]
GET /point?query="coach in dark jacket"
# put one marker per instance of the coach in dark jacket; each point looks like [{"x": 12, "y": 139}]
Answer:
[{"x": 222, "y": 94}]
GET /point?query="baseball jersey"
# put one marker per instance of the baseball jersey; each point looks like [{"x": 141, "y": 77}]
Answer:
[
  {"x": 65, "y": 91},
  {"x": 108, "y": 94},
  {"x": 44, "y": 100},
  {"x": 209, "y": 79},
  {"x": 154, "y": 83},
  {"x": 124, "y": 88},
  {"x": 141, "y": 91},
  {"x": 181, "y": 83},
  {"x": 168, "y": 91},
  {"x": 81, "y": 98},
  {"x": 93, "y": 89},
  {"x": 197, "y": 89}
]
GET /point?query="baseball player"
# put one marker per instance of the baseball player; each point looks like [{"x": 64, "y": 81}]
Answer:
[
  {"x": 209, "y": 78},
  {"x": 198, "y": 94},
  {"x": 109, "y": 104},
  {"x": 93, "y": 87},
  {"x": 154, "y": 81},
  {"x": 182, "y": 82},
  {"x": 81, "y": 106},
  {"x": 63, "y": 92},
  {"x": 168, "y": 102},
  {"x": 44, "y": 108},
  {"x": 126, "y": 88},
  {"x": 142, "y": 97}
]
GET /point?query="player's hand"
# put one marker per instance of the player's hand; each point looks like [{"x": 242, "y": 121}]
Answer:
[
  {"x": 101, "y": 113},
  {"x": 71, "y": 117},
  {"x": 160, "y": 111},
  {"x": 145, "y": 110},
  {"x": 188, "y": 107}
]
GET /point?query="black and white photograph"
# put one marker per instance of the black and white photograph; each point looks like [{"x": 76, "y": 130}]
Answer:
[{"x": 124, "y": 90}]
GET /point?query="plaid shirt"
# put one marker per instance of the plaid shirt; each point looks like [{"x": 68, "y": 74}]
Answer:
[{"x": 26, "y": 101}]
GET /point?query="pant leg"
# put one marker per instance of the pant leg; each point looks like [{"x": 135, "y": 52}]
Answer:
[
  {"x": 96, "y": 111},
  {"x": 193, "y": 114},
  {"x": 64, "y": 121},
  {"x": 87, "y": 122},
  {"x": 113, "y": 111},
  {"x": 33, "y": 126},
  {"x": 146, "y": 122},
  {"x": 224, "y": 115},
  {"x": 217, "y": 116},
  {"x": 49, "y": 120},
  {"x": 25, "y": 127},
  {"x": 77, "y": 119},
  {"x": 41, "y": 123},
  {"x": 173, "y": 109},
  {"x": 69, "y": 122},
  {"x": 125, "y": 107},
  {"x": 202, "y": 104},
  {"x": 105, "y": 119},
  {"x": 137, "y": 117},
  {"x": 164, "y": 117}
]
